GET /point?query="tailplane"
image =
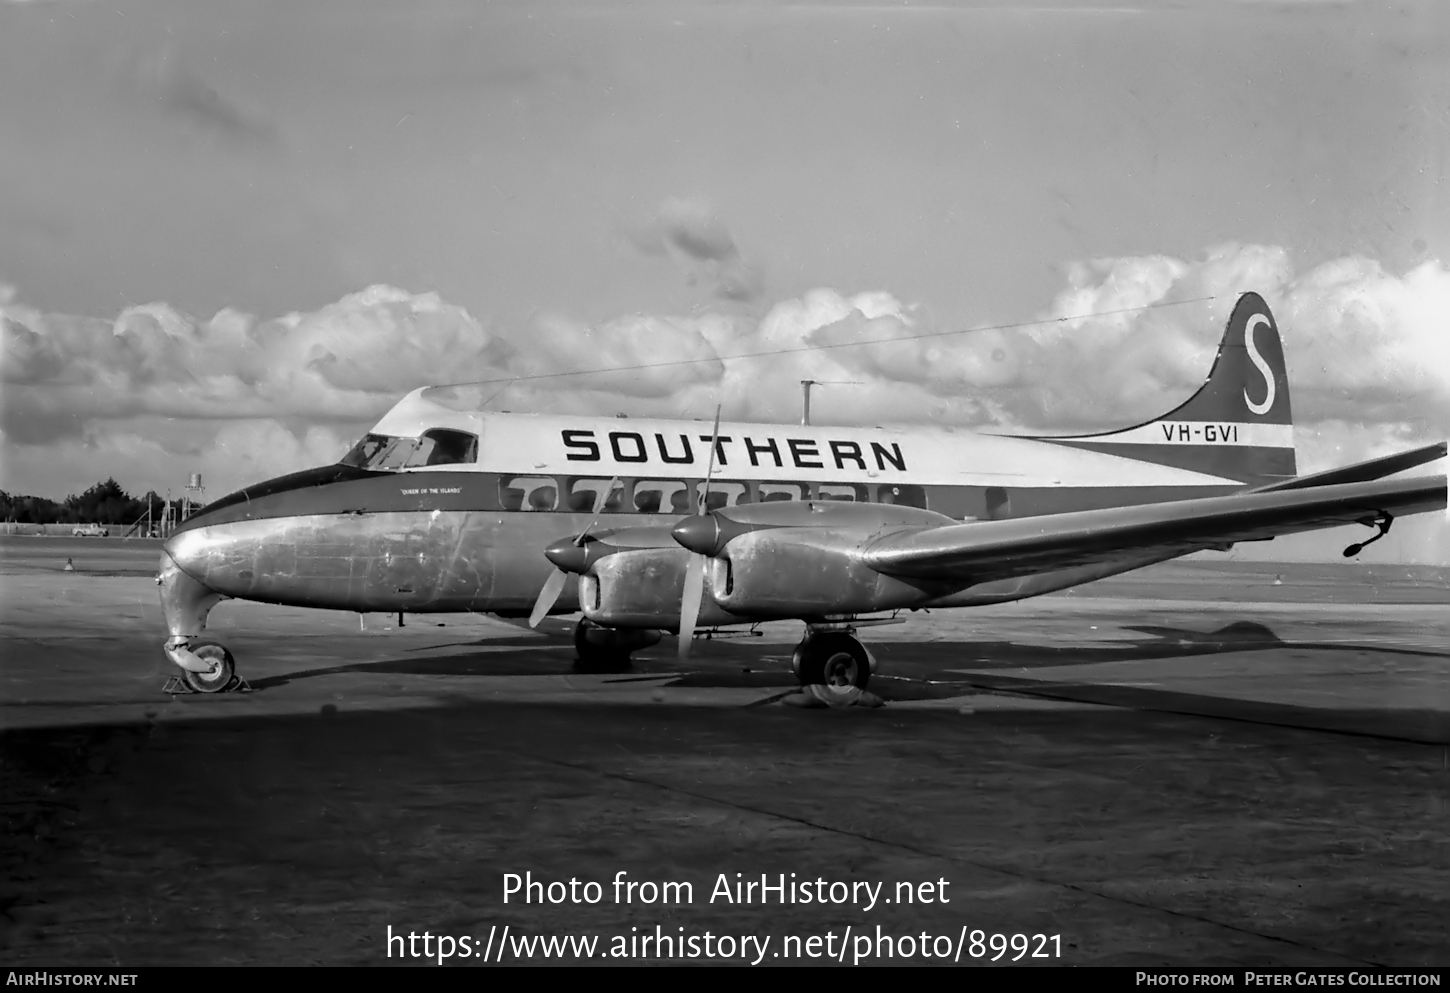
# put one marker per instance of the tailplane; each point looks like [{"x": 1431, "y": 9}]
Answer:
[{"x": 1237, "y": 426}]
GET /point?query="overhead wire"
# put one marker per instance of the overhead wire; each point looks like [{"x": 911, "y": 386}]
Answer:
[{"x": 671, "y": 363}]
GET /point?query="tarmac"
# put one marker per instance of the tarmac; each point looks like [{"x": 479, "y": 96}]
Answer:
[{"x": 1197, "y": 764}]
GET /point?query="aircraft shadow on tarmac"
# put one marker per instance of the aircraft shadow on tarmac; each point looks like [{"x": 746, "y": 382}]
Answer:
[
  {"x": 532, "y": 661},
  {"x": 1166, "y": 642},
  {"x": 724, "y": 664},
  {"x": 916, "y": 670},
  {"x": 517, "y": 641}
]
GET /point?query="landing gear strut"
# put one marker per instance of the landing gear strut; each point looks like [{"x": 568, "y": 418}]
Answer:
[
  {"x": 206, "y": 666},
  {"x": 603, "y": 649},
  {"x": 834, "y": 664},
  {"x": 596, "y": 654}
]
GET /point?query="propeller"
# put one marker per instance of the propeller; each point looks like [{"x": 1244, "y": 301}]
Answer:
[
  {"x": 695, "y": 567},
  {"x": 690, "y": 604},
  {"x": 554, "y": 585}
]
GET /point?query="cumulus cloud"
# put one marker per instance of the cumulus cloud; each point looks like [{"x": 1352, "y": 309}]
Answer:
[
  {"x": 1375, "y": 346},
  {"x": 1129, "y": 338},
  {"x": 144, "y": 456},
  {"x": 675, "y": 351},
  {"x": 1124, "y": 339},
  {"x": 347, "y": 361},
  {"x": 692, "y": 232}
]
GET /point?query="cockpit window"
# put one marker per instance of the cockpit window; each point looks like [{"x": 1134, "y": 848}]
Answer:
[
  {"x": 438, "y": 446},
  {"x": 381, "y": 452},
  {"x": 362, "y": 453},
  {"x": 441, "y": 446}
]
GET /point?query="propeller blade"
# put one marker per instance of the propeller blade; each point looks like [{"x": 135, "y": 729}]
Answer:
[
  {"x": 690, "y": 602},
  {"x": 553, "y": 586},
  {"x": 704, "y": 504},
  {"x": 599, "y": 502}
]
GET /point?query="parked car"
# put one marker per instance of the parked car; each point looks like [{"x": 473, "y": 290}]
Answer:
[{"x": 90, "y": 531}]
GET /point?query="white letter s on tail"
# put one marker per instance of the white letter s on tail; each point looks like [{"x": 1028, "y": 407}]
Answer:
[{"x": 1263, "y": 367}]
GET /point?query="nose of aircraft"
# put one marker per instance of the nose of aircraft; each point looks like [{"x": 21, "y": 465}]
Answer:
[{"x": 187, "y": 549}]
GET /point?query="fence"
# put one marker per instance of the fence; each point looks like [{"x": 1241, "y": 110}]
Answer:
[{"x": 55, "y": 530}]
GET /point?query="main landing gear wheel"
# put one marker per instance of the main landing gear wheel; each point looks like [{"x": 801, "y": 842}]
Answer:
[
  {"x": 596, "y": 651},
  {"x": 835, "y": 666},
  {"x": 223, "y": 667}
]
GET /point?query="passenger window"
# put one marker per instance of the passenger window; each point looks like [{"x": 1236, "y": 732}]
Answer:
[
  {"x": 999, "y": 504},
  {"x": 904, "y": 495},
  {"x": 527, "y": 493},
  {"x": 842, "y": 491},
  {"x": 724, "y": 493},
  {"x": 584, "y": 494},
  {"x": 661, "y": 496},
  {"x": 770, "y": 492}
]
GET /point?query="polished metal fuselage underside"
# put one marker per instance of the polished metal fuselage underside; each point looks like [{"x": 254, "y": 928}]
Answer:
[
  {"x": 416, "y": 561},
  {"x": 483, "y": 561}
]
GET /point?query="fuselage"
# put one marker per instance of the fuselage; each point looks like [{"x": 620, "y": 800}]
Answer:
[{"x": 443, "y": 508}]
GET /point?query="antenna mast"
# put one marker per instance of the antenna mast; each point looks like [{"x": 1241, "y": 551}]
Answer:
[{"x": 806, "y": 385}]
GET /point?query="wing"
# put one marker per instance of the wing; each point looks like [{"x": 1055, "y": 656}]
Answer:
[{"x": 988, "y": 550}]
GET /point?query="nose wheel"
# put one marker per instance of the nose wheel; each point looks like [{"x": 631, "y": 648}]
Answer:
[
  {"x": 217, "y": 675},
  {"x": 223, "y": 668}
]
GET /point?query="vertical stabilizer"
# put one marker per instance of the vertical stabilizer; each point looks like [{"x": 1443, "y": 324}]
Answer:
[{"x": 1238, "y": 425}]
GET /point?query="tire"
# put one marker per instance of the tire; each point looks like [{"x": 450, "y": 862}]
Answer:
[
  {"x": 221, "y": 675},
  {"x": 836, "y": 661}
]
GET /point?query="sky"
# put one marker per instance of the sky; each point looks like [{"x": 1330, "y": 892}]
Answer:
[{"x": 232, "y": 234}]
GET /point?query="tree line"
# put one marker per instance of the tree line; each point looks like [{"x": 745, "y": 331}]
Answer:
[{"x": 104, "y": 503}]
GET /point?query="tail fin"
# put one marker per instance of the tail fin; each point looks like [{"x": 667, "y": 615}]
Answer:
[{"x": 1237, "y": 426}]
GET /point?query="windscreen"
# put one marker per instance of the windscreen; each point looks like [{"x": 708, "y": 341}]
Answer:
[{"x": 389, "y": 453}]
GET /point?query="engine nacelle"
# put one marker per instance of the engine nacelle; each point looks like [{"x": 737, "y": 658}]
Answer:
[
  {"x": 807, "y": 572},
  {"x": 642, "y": 587}
]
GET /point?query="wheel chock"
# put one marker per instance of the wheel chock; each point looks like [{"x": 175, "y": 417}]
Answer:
[
  {"x": 176, "y": 686},
  {"x": 815, "y": 696}
]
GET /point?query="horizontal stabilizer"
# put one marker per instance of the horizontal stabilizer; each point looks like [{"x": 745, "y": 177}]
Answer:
[{"x": 1379, "y": 468}]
